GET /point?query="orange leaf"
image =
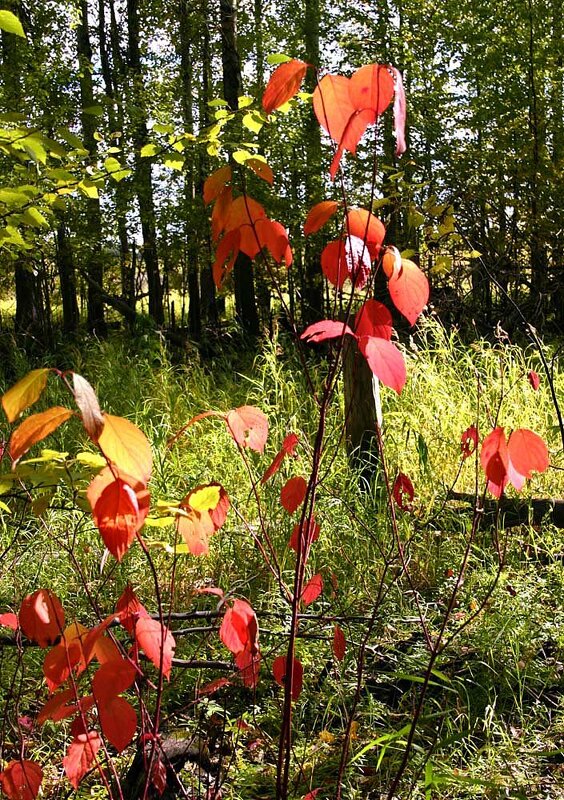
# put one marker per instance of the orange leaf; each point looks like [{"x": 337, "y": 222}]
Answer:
[
  {"x": 215, "y": 183},
  {"x": 283, "y": 84},
  {"x": 35, "y": 428},
  {"x": 24, "y": 393},
  {"x": 21, "y": 780},
  {"x": 409, "y": 290},
  {"x": 226, "y": 251},
  {"x": 81, "y": 755},
  {"x": 118, "y": 721},
  {"x": 157, "y": 642},
  {"x": 87, "y": 402},
  {"x": 205, "y": 509},
  {"x": 332, "y": 105},
  {"x": 372, "y": 87},
  {"x": 319, "y": 214},
  {"x": 42, "y": 617},
  {"x": 244, "y": 211},
  {"x": 249, "y": 427},
  {"x": 220, "y": 212},
  {"x": 261, "y": 168},
  {"x": 112, "y": 679},
  {"x": 129, "y": 609},
  {"x": 127, "y": 447},
  {"x": 366, "y": 226}
]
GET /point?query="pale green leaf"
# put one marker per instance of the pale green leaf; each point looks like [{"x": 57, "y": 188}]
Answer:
[
  {"x": 33, "y": 216},
  {"x": 11, "y": 24},
  {"x": 88, "y": 189},
  {"x": 174, "y": 161},
  {"x": 218, "y": 103},
  {"x": 244, "y": 101},
  {"x": 251, "y": 122},
  {"x": 158, "y": 127},
  {"x": 277, "y": 58},
  {"x": 149, "y": 150},
  {"x": 240, "y": 156}
]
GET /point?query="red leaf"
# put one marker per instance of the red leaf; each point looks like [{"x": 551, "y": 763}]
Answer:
[
  {"x": 311, "y": 795},
  {"x": 534, "y": 379},
  {"x": 409, "y": 290},
  {"x": 112, "y": 679},
  {"x": 80, "y": 756},
  {"x": 225, "y": 256},
  {"x": 284, "y": 83},
  {"x": 126, "y": 446},
  {"x": 119, "y": 507},
  {"x": 293, "y": 493},
  {"x": 279, "y": 671},
  {"x": 312, "y": 590},
  {"x": 249, "y": 427},
  {"x": 469, "y": 441},
  {"x": 333, "y": 263},
  {"x": 158, "y": 776},
  {"x": 313, "y": 531},
  {"x": 35, "y": 428},
  {"x": 399, "y": 113},
  {"x": 372, "y": 87},
  {"x": 367, "y": 227},
  {"x": 527, "y": 452},
  {"x": 332, "y": 105},
  {"x": 319, "y": 214},
  {"x": 213, "y": 686},
  {"x": 403, "y": 492},
  {"x": 248, "y": 663},
  {"x": 494, "y": 459},
  {"x": 339, "y": 643},
  {"x": 239, "y": 628},
  {"x": 42, "y": 617},
  {"x": 118, "y": 721},
  {"x": 21, "y": 780},
  {"x": 157, "y": 642},
  {"x": 373, "y": 319},
  {"x": 290, "y": 443},
  {"x": 129, "y": 609},
  {"x": 385, "y": 361},
  {"x": 57, "y": 708},
  {"x": 244, "y": 211},
  {"x": 66, "y": 656},
  {"x": 9, "y": 620},
  {"x": 326, "y": 329},
  {"x": 87, "y": 402},
  {"x": 288, "y": 446},
  {"x": 215, "y": 183}
]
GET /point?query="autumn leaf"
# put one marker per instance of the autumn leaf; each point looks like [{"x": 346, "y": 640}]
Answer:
[
  {"x": 367, "y": 227},
  {"x": 409, "y": 290},
  {"x": 81, "y": 755},
  {"x": 126, "y": 446},
  {"x": 494, "y": 459},
  {"x": 399, "y": 112},
  {"x": 111, "y": 679},
  {"x": 239, "y": 628},
  {"x": 215, "y": 183},
  {"x": 373, "y": 319},
  {"x": 36, "y": 428},
  {"x": 248, "y": 663},
  {"x": 279, "y": 669},
  {"x": 24, "y": 393},
  {"x": 119, "y": 507},
  {"x": 403, "y": 492},
  {"x": 201, "y": 513},
  {"x": 249, "y": 427},
  {"x": 325, "y": 329},
  {"x": 372, "y": 87},
  {"x": 385, "y": 361},
  {"x": 311, "y": 530},
  {"x": 527, "y": 452},
  {"x": 312, "y": 590},
  {"x": 9, "y": 620},
  {"x": 339, "y": 643},
  {"x": 157, "y": 642},
  {"x": 293, "y": 494},
  {"x": 21, "y": 780},
  {"x": 284, "y": 82},
  {"x": 469, "y": 441},
  {"x": 41, "y": 617},
  {"x": 260, "y": 168},
  {"x": 129, "y": 609},
  {"x": 534, "y": 379},
  {"x": 319, "y": 214},
  {"x": 288, "y": 446},
  {"x": 118, "y": 721},
  {"x": 87, "y": 402}
]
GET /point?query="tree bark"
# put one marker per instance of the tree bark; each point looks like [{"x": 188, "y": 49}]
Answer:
[{"x": 67, "y": 278}]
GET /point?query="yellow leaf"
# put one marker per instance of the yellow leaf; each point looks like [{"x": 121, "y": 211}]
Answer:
[
  {"x": 24, "y": 393},
  {"x": 205, "y": 499},
  {"x": 126, "y": 446}
]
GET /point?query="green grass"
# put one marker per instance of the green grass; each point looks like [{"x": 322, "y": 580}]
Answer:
[{"x": 493, "y": 722}]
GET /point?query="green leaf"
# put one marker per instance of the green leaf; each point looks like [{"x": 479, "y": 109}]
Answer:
[
  {"x": 33, "y": 216},
  {"x": 112, "y": 165},
  {"x": 120, "y": 175},
  {"x": 94, "y": 111},
  {"x": 149, "y": 150},
  {"x": 244, "y": 101},
  {"x": 160, "y": 128},
  {"x": 88, "y": 189},
  {"x": 13, "y": 198},
  {"x": 174, "y": 161},
  {"x": 34, "y": 148},
  {"x": 218, "y": 103},
  {"x": 277, "y": 58},
  {"x": 11, "y": 24}
]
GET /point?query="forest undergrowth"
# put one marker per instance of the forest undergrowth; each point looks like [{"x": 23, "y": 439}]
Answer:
[{"x": 492, "y": 724}]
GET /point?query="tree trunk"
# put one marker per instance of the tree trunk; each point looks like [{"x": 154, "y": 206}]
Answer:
[
  {"x": 245, "y": 301},
  {"x": 67, "y": 278},
  {"x": 93, "y": 229},
  {"x": 143, "y": 177}
]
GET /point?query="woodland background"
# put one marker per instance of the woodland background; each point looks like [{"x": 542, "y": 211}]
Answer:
[{"x": 112, "y": 119}]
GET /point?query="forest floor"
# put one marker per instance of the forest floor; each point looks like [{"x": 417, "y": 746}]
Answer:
[{"x": 492, "y": 724}]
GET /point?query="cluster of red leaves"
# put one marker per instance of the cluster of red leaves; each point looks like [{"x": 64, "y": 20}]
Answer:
[
  {"x": 72, "y": 650},
  {"x": 512, "y": 461},
  {"x": 373, "y": 332}
]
